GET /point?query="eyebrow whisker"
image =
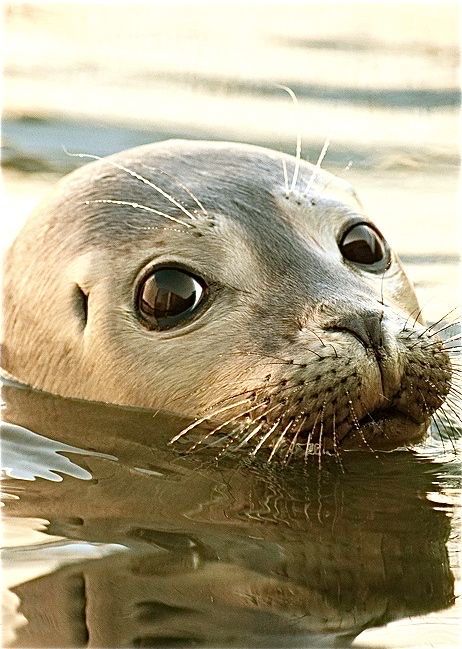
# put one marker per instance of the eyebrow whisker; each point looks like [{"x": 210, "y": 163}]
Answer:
[
  {"x": 298, "y": 149},
  {"x": 138, "y": 176},
  {"x": 180, "y": 184},
  {"x": 138, "y": 206},
  {"x": 317, "y": 166}
]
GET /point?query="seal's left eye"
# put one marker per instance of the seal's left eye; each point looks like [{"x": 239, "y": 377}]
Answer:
[
  {"x": 169, "y": 296},
  {"x": 361, "y": 244}
]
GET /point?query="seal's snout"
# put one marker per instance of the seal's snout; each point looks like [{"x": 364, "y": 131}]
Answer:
[
  {"x": 365, "y": 326},
  {"x": 372, "y": 330}
]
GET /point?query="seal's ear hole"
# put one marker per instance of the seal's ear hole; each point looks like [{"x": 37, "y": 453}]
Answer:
[{"x": 80, "y": 305}]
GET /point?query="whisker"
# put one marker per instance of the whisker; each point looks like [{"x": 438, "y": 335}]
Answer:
[
  {"x": 139, "y": 206},
  {"x": 453, "y": 407},
  {"x": 453, "y": 338},
  {"x": 254, "y": 432},
  {"x": 357, "y": 424},
  {"x": 440, "y": 412},
  {"x": 180, "y": 184},
  {"x": 280, "y": 438},
  {"x": 281, "y": 361},
  {"x": 448, "y": 326},
  {"x": 419, "y": 313},
  {"x": 441, "y": 436},
  {"x": 454, "y": 350},
  {"x": 293, "y": 442},
  {"x": 298, "y": 150},
  {"x": 205, "y": 418},
  {"x": 445, "y": 415},
  {"x": 322, "y": 343},
  {"x": 437, "y": 322},
  {"x": 308, "y": 439},
  {"x": 321, "y": 431},
  {"x": 335, "y": 444},
  {"x": 317, "y": 336},
  {"x": 441, "y": 343},
  {"x": 265, "y": 436},
  {"x": 408, "y": 318},
  {"x": 138, "y": 176},
  {"x": 233, "y": 437},
  {"x": 251, "y": 435},
  {"x": 455, "y": 391},
  {"x": 317, "y": 167},
  {"x": 226, "y": 423},
  {"x": 283, "y": 384}
]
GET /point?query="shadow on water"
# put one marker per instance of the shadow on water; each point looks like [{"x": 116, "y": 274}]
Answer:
[{"x": 199, "y": 552}]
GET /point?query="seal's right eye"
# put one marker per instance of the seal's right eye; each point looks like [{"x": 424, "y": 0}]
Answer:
[
  {"x": 169, "y": 297},
  {"x": 364, "y": 246}
]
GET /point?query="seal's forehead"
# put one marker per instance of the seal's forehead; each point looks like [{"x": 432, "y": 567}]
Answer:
[
  {"x": 257, "y": 164},
  {"x": 180, "y": 186},
  {"x": 216, "y": 169}
]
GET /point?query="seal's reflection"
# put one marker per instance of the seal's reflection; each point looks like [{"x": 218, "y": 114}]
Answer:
[{"x": 227, "y": 553}]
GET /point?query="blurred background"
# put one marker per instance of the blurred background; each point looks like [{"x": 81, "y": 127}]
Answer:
[{"x": 380, "y": 80}]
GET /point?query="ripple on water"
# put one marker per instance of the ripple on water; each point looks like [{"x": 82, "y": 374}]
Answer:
[{"x": 124, "y": 540}]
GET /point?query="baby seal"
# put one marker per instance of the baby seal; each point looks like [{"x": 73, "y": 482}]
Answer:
[{"x": 228, "y": 283}]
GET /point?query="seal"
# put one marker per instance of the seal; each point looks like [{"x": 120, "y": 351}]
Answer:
[{"x": 232, "y": 284}]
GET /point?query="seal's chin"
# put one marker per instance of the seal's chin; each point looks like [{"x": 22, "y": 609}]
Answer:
[{"x": 386, "y": 429}]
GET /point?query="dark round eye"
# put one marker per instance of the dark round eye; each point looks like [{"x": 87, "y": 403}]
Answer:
[
  {"x": 169, "y": 296},
  {"x": 363, "y": 245}
]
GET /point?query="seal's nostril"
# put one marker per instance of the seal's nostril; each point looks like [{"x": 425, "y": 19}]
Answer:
[
  {"x": 369, "y": 328},
  {"x": 366, "y": 326}
]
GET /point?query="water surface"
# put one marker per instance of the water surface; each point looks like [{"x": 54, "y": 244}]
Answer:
[
  {"x": 117, "y": 539},
  {"x": 112, "y": 537}
]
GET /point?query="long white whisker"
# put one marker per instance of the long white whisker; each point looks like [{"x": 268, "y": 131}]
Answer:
[
  {"x": 138, "y": 176},
  {"x": 138, "y": 206},
  {"x": 180, "y": 184},
  {"x": 251, "y": 434},
  {"x": 308, "y": 439},
  {"x": 265, "y": 437},
  {"x": 298, "y": 149},
  {"x": 291, "y": 448},
  {"x": 255, "y": 430},
  {"x": 205, "y": 418},
  {"x": 280, "y": 438},
  {"x": 229, "y": 421},
  {"x": 357, "y": 424},
  {"x": 317, "y": 166},
  {"x": 321, "y": 431}
]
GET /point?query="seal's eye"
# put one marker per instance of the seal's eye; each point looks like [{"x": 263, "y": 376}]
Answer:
[
  {"x": 169, "y": 296},
  {"x": 362, "y": 244}
]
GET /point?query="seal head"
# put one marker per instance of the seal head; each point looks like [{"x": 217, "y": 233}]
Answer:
[{"x": 189, "y": 276}]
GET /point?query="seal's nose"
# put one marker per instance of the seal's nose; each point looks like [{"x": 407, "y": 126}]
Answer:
[
  {"x": 365, "y": 325},
  {"x": 372, "y": 329}
]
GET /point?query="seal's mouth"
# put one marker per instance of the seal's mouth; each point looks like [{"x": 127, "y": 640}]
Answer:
[
  {"x": 385, "y": 428},
  {"x": 386, "y": 414},
  {"x": 381, "y": 429}
]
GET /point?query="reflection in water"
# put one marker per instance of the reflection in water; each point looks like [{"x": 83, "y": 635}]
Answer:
[{"x": 162, "y": 549}]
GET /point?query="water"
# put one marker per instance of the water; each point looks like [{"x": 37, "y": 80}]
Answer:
[
  {"x": 118, "y": 539},
  {"x": 113, "y": 538}
]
